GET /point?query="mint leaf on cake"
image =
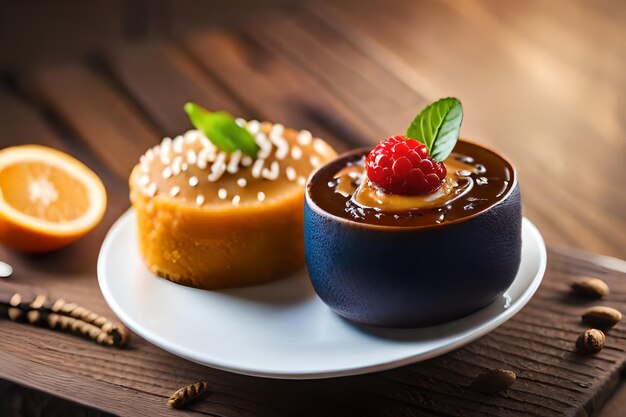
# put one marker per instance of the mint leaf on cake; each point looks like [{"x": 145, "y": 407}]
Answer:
[{"x": 221, "y": 129}]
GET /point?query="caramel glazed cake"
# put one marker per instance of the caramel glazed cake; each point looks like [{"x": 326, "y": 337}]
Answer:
[{"x": 210, "y": 219}]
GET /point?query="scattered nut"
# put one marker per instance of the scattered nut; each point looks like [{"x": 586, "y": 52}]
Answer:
[
  {"x": 187, "y": 394},
  {"x": 590, "y": 287},
  {"x": 601, "y": 317},
  {"x": 493, "y": 381},
  {"x": 591, "y": 341}
]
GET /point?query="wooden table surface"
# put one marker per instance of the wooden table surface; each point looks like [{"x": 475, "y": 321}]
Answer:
[{"x": 544, "y": 82}]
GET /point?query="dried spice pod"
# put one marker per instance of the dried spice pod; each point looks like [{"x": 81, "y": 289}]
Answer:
[
  {"x": 16, "y": 300},
  {"x": 65, "y": 323},
  {"x": 12, "y": 313},
  {"x": 591, "y": 341},
  {"x": 15, "y": 309},
  {"x": 590, "y": 287},
  {"x": 39, "y": 302},
  {"x": 36, "y": 309},
  {"x": 493, "y": 381},
  {"x": 601, "y": 317},
  {"x": 23, "y": 302},
  {"x": 185, "y": 395},
  {"x": 45, "y": 306},
  {"x": 119, "y": 333},
  {"x": 23, "y": 308}
]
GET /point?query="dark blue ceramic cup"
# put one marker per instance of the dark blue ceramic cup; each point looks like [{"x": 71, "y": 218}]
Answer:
[{"x": 412, "y": 276}]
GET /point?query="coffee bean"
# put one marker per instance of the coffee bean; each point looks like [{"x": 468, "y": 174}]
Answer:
[
  {"x": 590, "y": 287},
  {"x": 591, "y": 341},
  {"x": 493, "y": 381},
  {"x": 601, "y": 317}
]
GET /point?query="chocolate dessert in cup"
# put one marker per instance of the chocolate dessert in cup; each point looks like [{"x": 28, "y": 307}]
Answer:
[{"x": 423, "y": 229}]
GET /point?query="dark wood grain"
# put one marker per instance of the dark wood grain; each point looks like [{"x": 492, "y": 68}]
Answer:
[
  {"x": 276, "y": 88},
  {"x": 35, "y": 32},
  {"x": 18, "y": 400},
  {"x": 541, "y": 82},
  {"x": 364, "y": 82},
  {"x": 15, "y": 115},
  {"x": 91, "y": 107},
  {"x": 162, "y": 79}
]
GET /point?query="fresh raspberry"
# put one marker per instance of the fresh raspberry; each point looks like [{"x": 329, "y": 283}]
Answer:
[{"x": 403, "y": 166}]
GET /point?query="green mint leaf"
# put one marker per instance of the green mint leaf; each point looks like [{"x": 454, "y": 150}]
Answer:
[
  {"x": 221, "y": 129},
  {"x": 437, "y": 127}
]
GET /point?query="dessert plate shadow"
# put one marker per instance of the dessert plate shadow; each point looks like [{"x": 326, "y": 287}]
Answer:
[{"x": 282, "y": 329}]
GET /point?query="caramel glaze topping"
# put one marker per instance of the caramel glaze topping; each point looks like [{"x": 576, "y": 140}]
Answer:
[{"x": 477, "y": 179}]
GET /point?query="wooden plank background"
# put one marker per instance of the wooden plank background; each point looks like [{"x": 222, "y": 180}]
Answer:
[{"x": 543, "y": 82}]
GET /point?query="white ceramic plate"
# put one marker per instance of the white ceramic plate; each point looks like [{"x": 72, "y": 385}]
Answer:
[{"x": 282, "y": 329}]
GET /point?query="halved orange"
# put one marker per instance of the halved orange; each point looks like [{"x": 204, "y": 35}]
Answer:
[{"x": 48, "y": 199}]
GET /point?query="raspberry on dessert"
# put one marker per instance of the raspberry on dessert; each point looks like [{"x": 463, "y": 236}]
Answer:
[{"x": 403, "y": 166}]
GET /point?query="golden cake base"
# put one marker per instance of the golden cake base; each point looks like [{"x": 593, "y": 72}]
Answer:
[{"x": 213, "y": 248}]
